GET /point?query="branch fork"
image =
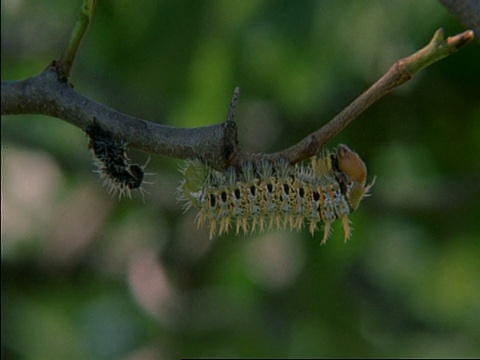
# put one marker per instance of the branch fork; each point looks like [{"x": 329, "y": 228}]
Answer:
[{"x": 49, "y": 93}]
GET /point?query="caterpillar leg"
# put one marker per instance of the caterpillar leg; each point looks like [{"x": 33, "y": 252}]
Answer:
[
  {"x": 213, "y": 227},
  {"x": 326, "y": 232},
  {"x": 312, "y": 227},
  {"x": 241, "y": 224},
  {"x": 347, "y": 231},
  {"x": 224, "y": 225}
]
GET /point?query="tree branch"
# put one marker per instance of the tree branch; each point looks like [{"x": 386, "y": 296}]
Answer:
[
  {"x": 402, "y": 71},
  {"x": 50, "y": 94},
  {"x": 46, "y": 95}
]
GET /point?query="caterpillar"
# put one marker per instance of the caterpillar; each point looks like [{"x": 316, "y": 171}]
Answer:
[
  {"x": 112, "y": 163},
  {"x": 277, "y": 195}
]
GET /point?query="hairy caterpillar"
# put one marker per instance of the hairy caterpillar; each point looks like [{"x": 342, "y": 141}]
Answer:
[
  {"x": 112, "y": 163},
  {"x": 277, "y": 195}
]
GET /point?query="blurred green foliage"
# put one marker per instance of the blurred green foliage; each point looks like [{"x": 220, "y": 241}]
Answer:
[{"x": 86, "y": 276}]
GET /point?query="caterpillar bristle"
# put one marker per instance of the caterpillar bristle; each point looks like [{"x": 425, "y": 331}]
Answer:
[
  {"x": 268, "y": 195},
  {"x": 113, "y": 166}
]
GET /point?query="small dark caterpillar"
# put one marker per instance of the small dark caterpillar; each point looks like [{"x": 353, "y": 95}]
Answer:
[
  {"x": 112, "y": 163},
  {"x": 277, "y": 195}
]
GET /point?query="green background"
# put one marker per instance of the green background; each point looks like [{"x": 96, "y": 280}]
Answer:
[{"x": 87, "y": 276}]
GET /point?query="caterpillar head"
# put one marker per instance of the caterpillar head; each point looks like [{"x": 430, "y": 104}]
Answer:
[{"x": 350, "y": 164}]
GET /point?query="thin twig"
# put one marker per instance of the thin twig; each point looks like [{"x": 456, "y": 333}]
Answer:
[
  {"x": 233, "y": 104},
  {"x": 402, "y": 71},
  {"x": 65, "y": 63}
]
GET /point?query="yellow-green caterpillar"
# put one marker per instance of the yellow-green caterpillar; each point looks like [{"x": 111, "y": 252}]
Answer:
[{"x": 277, "y": 195}]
